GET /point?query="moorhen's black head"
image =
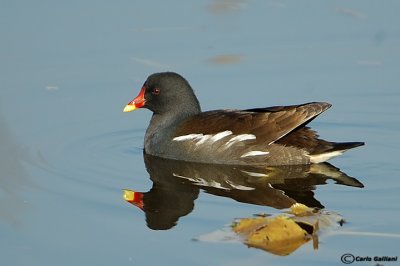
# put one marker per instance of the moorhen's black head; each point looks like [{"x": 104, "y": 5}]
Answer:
[{"x": 165, "y": 92}]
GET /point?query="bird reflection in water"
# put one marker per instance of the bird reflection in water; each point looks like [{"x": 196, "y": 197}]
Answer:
[{"x": 176, "y": 185}]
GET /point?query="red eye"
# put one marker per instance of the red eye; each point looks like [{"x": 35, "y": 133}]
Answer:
[{"x": 156, "y": 91}]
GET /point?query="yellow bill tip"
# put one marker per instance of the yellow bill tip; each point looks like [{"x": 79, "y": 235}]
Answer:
[
  {"x": 129, "y": 108},
  {"x": 129, "y": 195}
]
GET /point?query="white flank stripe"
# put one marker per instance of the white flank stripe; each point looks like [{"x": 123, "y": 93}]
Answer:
[
  {"x": 243, "y": 137},
  {"x": 188, "y": 137},
  {"x": 319, "y": 158},
  {"x": 203, "y": 139},
  {"x": 238, "y": 138},
  {"x": 221, "y": 135},
  {"x": 254, "y": 153}
]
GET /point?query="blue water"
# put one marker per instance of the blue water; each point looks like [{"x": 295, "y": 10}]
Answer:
[{"x": 67, "y": 151}]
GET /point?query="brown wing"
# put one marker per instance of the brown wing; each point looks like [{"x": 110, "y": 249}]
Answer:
[{"x": 267, "y": 124}]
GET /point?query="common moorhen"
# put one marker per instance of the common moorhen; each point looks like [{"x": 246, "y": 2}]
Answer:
[{"x": 261, "y": 136}]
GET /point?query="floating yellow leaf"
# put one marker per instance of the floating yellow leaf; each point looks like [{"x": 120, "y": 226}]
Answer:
[
  {"x": 283, "y": 234},
  {"x": 279, "y": 235}
]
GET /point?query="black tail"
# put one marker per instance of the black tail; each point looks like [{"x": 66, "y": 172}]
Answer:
[
  {"x": 343, "y": 146},
  {"x": 332, "y": 150}
]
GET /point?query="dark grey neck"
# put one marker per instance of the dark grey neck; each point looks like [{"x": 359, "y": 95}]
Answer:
[{"x": 158, "y": 135}]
